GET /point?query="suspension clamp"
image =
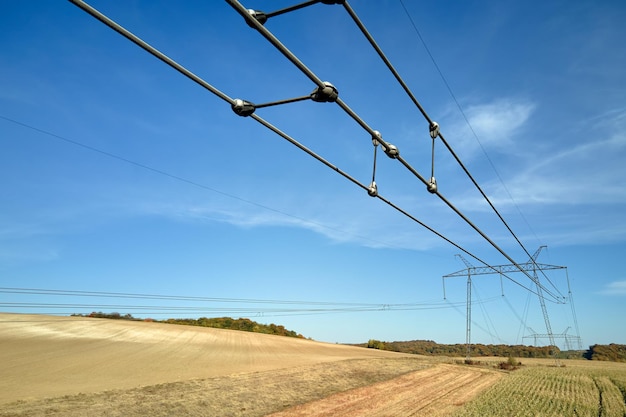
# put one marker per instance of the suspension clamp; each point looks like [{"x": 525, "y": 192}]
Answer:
[
  {"x": 376, "y": 139},
  {"x": 243, "y": 108},
  {"x": 391, "y": 151},
  {"x": 327, "y": 94},
  {"x": 432, "y": 185},
  {"x": 257, "y": 15},
  {"x": 434, "y": 129},
  {"x": 372, "y": 190}
]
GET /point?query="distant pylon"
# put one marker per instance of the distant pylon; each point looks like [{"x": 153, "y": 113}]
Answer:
[
  {"x": 567, "y": 339},
  {"x": 530, "y": 266}
]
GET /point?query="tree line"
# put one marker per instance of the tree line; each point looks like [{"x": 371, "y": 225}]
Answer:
[
  {"x": 431, "y": 348},
  {"x": 218, "y": 323},
  {"x": 612, "y": 352},
  {"x": 237, "y": 324}
]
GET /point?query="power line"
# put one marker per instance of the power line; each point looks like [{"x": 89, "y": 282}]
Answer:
[
  {"x": 169, "y": 310},
  {"x": 247, "y": 109},
  {"x": 517, "y": 316},
  {"x": 239, "y": 104},
  {"x": 251, "y": 17},
  {"x": 202, "y": 186},
  {"x": 429, "y": 120},
  {"x": 445, "y": 81},
  {"x": 371, "y": 40},
  {"x": 105, "y": 294},
  {"x": 203, "y": 305},
  {"x": 486, "y": 315},
  {"x": 155, "y": 52},
  {"x": 286, "y": 137},
  {"x": 187, "y": 181},
  {"x": 487, "y": 331},
  {"x": 99, "y": 16},
  {"x": 363, "y": 186}
]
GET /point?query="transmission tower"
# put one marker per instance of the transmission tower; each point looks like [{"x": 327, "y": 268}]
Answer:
[
  {"x": 530, "y": 266},
  {"x": 468, "y": 305},
  {"x": 568, "y": 339}
]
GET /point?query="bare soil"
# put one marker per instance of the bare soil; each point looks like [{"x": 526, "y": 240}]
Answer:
[
  {"x": 72, "y": 366},
  {"x": 436, "y": 391}
]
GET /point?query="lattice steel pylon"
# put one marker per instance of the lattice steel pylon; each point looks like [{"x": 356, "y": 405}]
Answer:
[
  {"x": 530, "y": 266},
  {"x": 568, "y": 339}
]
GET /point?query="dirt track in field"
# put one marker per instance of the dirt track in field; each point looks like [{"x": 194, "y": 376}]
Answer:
[
  {"x": 69, "y": 366},
  {"x": 436, "y": 391}
]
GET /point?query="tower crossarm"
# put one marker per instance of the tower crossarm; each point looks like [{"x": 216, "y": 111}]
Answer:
[
  {"x": 503, "y": 269},
  {"x": 555, "y": 336}
]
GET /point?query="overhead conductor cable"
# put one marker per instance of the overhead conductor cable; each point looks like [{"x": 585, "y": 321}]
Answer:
[
  {"x": 249, "y": 16},
  {"x": 432, "y": 185},
  {"x": 326, "y": 92}
]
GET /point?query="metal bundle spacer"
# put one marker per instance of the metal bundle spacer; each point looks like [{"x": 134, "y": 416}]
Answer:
[
  {"x": 376, "y": 138},
  {"x": 372, "y": 190},
  {"x": 257, "y": 15},
  {"x": 432, "y": 185},
  {"x": 326, "y": 94},
  {"x": 434, "y": 129},
  {"x": 242, "y": 107},
  {"x": 392, "y": 151}
]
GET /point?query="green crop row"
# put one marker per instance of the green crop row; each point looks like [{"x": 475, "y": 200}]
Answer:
[{"x": 552, "y": 391}]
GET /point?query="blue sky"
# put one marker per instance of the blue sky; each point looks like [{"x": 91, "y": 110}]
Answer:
[{"x": 121, "y": 175}]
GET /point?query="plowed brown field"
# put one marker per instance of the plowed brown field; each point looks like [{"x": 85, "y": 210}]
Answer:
[{"x": 74, "y": 366}]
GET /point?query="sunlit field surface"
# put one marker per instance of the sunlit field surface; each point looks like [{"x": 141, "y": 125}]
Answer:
[
  {"x": 578, "y": 388},
  {"x": 77, "y": 366}
]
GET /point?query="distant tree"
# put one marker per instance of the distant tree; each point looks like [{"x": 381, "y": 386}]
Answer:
[
  {"x": 612, "y": 352},
  {"x": 243, "y": 324},
  {"x": 375, "y": 344}
]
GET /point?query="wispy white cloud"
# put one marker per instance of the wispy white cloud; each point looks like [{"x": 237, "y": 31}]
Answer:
[
  {"x": 591, "y": 172},
  {"x": 344, "y": 221},
  {"x": 614, "y": 288},
  {"x": 584, "y": 228},
  {"x": 572, "y": 184},
  {"x": 495, "y": 123}
]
